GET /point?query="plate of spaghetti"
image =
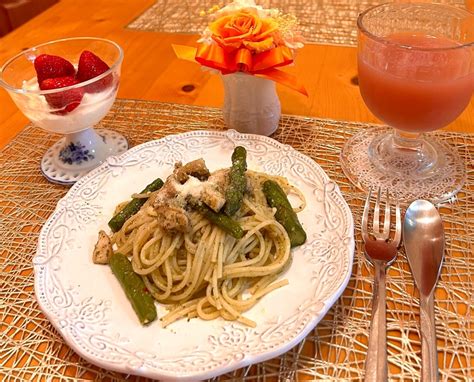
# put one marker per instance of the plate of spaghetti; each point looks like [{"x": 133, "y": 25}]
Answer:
[{"x": 194, "y": 255}]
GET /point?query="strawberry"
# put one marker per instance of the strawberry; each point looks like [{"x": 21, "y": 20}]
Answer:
[
  {"x": 48, "y": 66},
  {"x": 67, "y": 100},
  {"x": 91, "y": 66}
]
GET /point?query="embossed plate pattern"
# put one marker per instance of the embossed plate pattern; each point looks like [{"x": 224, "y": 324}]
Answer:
[{"x": 87, "y": 306}]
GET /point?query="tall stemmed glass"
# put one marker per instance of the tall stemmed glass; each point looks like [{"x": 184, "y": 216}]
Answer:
[{"x": 416, "y": 73}]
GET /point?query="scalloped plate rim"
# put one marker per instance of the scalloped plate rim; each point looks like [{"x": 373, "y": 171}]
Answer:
[{"x": 148, "y": 372}]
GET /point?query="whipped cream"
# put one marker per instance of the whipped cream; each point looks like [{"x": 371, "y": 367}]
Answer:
[{"x": 93, "y": 107}]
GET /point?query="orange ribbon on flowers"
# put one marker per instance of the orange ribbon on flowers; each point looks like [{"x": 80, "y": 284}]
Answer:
[{"x": 242, "y": 60}]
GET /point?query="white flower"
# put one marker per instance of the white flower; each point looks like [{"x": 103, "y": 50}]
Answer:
[{"x": 245, "y": 4}]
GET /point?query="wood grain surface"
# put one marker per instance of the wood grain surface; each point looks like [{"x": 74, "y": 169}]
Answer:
[{"x": 152, "y": 72}]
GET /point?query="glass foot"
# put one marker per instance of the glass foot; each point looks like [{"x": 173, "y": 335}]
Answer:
[
  {"x": 75, "y": 155},
  {"x": 437, "y": 179},
  {"x": 388, "y": 154}
]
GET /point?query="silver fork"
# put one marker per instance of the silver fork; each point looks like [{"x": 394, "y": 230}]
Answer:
[{"x": 381, "y": 251}]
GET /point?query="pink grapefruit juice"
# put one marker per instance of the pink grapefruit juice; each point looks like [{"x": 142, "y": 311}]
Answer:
[{"x": 416, "y": 90}]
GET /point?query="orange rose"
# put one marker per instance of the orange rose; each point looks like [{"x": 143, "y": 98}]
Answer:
[{"x": 244, "y": 29}]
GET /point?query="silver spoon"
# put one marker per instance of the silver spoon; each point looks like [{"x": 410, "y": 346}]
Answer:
[{"x": 423, "y": 235}]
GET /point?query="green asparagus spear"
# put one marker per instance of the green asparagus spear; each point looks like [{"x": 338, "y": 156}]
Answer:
[
  {"x": 284, "y": 214},
  {"x": 222, "y": 221},
  {"x": 133, "y": 207},
  {"x": 237, "y": 183},
  {"x": 142, "y": 302}
]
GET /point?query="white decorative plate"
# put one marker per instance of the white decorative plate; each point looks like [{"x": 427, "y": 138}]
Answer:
[{"x": 87, "y": 305}]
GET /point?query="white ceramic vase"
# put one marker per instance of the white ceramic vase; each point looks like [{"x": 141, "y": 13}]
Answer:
[{"x": 251, "y": 104}]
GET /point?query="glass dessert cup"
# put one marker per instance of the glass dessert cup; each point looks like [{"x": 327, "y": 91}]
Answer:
[
  {"x": 416, "y": 73},
  {"x": 82, "y": 148}
]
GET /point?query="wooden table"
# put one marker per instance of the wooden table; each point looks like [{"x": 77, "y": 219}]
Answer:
[{"x": 152, "y": 72}]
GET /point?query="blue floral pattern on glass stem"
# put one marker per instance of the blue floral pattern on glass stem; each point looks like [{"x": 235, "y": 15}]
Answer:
[{"x": 75, "y": 153}]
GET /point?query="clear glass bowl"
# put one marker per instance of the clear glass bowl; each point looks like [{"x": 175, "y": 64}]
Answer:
[{"x": 82, "y": 148}]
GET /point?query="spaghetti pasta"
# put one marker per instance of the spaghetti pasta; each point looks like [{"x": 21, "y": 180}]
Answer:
[{"x": 205, "y": 272}]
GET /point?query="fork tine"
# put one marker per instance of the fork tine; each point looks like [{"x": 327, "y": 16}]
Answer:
[
  {"x": 398, "y": 226},
  {"x": 377, "y": 215},
  {"x": 365, "y": 217},
  {"x": 386, "y": 222}
]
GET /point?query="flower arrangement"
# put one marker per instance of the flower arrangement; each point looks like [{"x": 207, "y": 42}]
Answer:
[{"x": 244, "y": 37}]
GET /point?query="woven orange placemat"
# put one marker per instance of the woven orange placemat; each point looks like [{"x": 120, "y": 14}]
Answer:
[{"x": 31, "y": 349}]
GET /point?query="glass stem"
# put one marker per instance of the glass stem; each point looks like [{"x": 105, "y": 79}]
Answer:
[
  {"x": 413, "y": 144},
  {"x": 407, "y": 141}
]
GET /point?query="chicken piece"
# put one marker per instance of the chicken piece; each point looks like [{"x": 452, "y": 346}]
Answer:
[
  {"x": 168, "y": 192},
  {"x": 103, "y": 249},
  {"x": 213, "y": 193},
  {"x": 220, "y": 179},
  {"x": 169, "y": 189},
  {"x": 170, "y": 202},
  {"x": 212, "y": 197},
  {"x": 196, "y": 168},
  {"x": 171, "y": 218},
  {"x": 169, "y": 207}
]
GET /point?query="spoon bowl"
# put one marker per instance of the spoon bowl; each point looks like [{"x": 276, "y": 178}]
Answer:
[
  {"x": 423, "y": 235},
  {"x": 424, "y": 246}
]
